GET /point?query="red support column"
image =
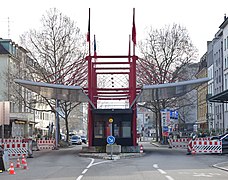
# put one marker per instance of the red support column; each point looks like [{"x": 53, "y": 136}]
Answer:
[
  {"x": 90, "y": 93},
  {"x": 134, "y": 124}
]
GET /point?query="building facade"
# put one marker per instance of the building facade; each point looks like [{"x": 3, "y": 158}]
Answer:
[
  {"x": 14, "y": 64},
  {"x": 202, "y": 91},
  {"x": 224, "y": 27}
]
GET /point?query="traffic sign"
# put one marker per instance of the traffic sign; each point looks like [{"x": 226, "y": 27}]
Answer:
[{"x": 110, "y": 139}]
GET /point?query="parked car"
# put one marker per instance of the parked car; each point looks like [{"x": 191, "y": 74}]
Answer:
[
  {"x": 76, "y": 140},
  {"x": 224, "y": 139},
  {"x": 84, "y": 139}
]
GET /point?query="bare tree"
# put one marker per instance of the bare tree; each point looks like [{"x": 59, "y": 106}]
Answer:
[
  {"x": 165, "y": 52},
  {"x": 58, "y": 50}
]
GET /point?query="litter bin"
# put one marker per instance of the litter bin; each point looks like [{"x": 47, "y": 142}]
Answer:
[{"x": 2, "y": 167}]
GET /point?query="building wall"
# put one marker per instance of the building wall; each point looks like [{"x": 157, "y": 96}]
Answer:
[
  {"x": 14, "y": 65},
  {"x": 202, "y": 95},
  {"x": 3, "y": 72},
  {"x": 218, "y": 78},
  {"x": 225, "y": 71}
]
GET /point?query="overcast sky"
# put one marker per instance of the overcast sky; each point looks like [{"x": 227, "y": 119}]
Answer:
[{"x": 111, "y": 21}]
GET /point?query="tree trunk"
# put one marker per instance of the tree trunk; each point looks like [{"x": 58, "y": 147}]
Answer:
[
  {"x": 156, "y": 126},
  {"x": 67, "y": 129},
  {"x": 160, "y": 126}
]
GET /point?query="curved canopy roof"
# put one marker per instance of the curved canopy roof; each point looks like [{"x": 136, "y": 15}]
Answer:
[
  {"x": 148, "y": 92},
  {"x": 168, "y": 90},
  {"x": 55, "y": 91}
]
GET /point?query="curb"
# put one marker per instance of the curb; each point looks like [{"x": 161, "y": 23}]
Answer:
[
  {"x": 219, "y": 167},
  {"x": 114, "y": 157},
  {"x": 157, "y": 145}
]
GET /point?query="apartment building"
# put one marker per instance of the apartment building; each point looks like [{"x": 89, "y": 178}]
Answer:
[
  {"x": 217, "y": 51},
  {"x": 14, "y": 63}
]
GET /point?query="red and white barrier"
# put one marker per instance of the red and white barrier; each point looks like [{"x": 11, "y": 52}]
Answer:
[
  {"x": 15, "y": 140},
  {"x": 46, "y": 144},
  {"x": 206, "y": 146},
  {"x": 16, "y": 149},
  {"x": 179, "y": 143}
]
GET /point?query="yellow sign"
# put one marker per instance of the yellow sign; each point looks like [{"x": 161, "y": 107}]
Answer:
[{"x": 110, "y": 120}]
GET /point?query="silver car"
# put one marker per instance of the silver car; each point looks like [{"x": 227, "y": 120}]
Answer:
[{"x": 76, "y": 140}]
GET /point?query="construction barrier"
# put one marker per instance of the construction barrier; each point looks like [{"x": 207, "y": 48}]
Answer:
[
  {"x": 198, "y": 145},
  {"x": 16, "y": 149},
  {"x": 179, "y": 143},
  {"x": 46, "y": 144},
  {"x": 14, "y": 140},
  {"x": 206, "y": 146}
]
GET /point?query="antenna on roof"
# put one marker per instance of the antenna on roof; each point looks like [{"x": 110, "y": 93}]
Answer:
[
  {"x": 224, "y": 16},
  {"x": 8, "y": 27}
]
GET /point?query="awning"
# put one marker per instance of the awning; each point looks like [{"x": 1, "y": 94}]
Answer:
[
  {"x": 168, "y": 90},
  {"x": 219, "y": 98},
  {"x": 55, "y": 91}
]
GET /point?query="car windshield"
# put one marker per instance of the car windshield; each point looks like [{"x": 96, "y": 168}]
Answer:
[{"x": 75, "y": 137}]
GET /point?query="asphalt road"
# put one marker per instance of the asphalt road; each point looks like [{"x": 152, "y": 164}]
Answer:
[{"x": 159, "y": 163}]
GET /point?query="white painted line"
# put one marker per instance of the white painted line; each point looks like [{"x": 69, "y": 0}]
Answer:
[
  {"x": 90, "y": 164},
  {"x": 100, "y": 163},
  {"x": 161, "y": 171},
  {"x": 169, "y": 177},
  {"x": 79, "y": 177},
  {"x": 155, "y": 166},
  {"x": 83, "y": 172}
]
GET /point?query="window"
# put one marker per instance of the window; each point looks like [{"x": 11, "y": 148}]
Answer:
[
  {"x": 126, "y": 129},
  {"x": 99, "y": 129},
  {"x": 224, "y": 44}
]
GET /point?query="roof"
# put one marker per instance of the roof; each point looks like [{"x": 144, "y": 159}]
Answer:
[
  {"x": 225, "y": 22},
  {"x": 3, "y": 50},
  {"x": 55, "y": 91},
  {"x": 168, "y": 90},
  {"x": 219, "y": 98}
]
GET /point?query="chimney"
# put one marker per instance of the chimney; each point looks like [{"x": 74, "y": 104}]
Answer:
[{"x": 224, "y": 17}]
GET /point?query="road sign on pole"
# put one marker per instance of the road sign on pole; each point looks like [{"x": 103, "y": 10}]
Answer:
[{"x": 110, "y": 139}]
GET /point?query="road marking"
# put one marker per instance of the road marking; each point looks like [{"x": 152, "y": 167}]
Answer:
[
  {"x": 100, "y": 163},
  {"x": 161, "y": 171},
  {"x": 83, "y": 172},
  {"x": 79, "y": 177},
  {"x": 155, "y": 166},
  {"x": 169, "y": 177},
  {"x": 206, "y": 174},
  {"x": 90, "y": 165}
]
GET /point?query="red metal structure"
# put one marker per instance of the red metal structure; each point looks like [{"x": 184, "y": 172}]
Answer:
[{"x": 103, "y": 65}]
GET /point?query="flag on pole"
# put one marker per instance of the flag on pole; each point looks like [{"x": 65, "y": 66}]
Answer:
[
  {"x": 88, "y": 33},
  {"x": 95, "y": 46},
  {"x": 134, "y": 28}
]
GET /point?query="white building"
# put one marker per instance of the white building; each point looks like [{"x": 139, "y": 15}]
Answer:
[{"x": 13, "y": 65}]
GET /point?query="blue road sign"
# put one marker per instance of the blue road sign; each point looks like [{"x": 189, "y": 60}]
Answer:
[{"x": 110, "y": 139}]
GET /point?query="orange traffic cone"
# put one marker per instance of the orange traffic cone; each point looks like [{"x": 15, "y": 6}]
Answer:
[
  {"x": 23, "y": 160},
  {"x": 25, "y": 165},
  {"x": 18, "y": 163},
  {"x": 141, "y": 148},
  {"x": 11, "y": 170},
  {"x": 193, "y": 151}
]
